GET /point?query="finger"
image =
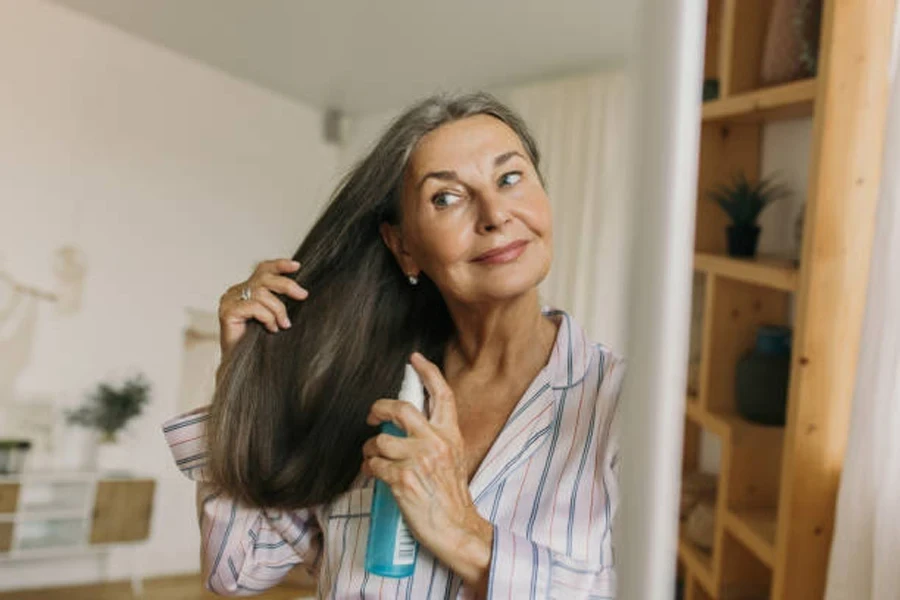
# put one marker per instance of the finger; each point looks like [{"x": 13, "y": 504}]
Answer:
[
  {"x": 278, "y": 265},
  {"x": 276, "y": 306},
  {"x": 283, "y": 285},
  {"x": 403, "y": 414},
  {"x": 383, "y": 469},
  {"x": 244, "y": 310},
  {"x": 405, "y": 481},
  {"x": 389, "y": 446},
  {"x": 443, "y": 405}
]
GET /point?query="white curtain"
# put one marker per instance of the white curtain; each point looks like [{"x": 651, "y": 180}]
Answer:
[
  {"x": 581, "y": 124},
  {"x": 865, "y": 553}
]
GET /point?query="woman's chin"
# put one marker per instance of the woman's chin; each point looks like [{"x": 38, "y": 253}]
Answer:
[{"x": 500, "y": 286}]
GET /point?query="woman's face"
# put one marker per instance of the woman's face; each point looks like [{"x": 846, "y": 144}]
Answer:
[{"x": 476, "y": 218}]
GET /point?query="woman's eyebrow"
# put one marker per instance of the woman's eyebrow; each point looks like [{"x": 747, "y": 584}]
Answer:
[
  {"x": 506, "y": 156},
  {"x": 452, "y": 176}
]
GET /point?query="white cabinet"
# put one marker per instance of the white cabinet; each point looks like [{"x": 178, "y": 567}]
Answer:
[{"x": 53, "y": 514}]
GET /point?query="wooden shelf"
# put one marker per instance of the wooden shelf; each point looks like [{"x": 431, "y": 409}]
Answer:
[
  {"x": 788, "y": 101},
  {"x": 847, "y": 100},
  {"x": 698, "y": 562},
  {"x": 776, "y": 273},
  {"x": 755, "y": 528},
  {"x": 724, "y": 425},
  {"x": 708, "y": 421}
]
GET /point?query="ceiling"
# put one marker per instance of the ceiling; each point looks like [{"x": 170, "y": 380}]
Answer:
[{"x": 364, "y": 56}]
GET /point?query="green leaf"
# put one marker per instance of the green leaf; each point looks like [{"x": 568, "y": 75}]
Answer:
[
  {"x": 743, "y": 201},
  {"x": 109, "y": 409}
]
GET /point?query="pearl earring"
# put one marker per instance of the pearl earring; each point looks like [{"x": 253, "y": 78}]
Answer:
[{"x": 413, "y": 280}]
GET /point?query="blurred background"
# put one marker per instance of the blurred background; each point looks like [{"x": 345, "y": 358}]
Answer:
[{"x": 151, "y": 153}]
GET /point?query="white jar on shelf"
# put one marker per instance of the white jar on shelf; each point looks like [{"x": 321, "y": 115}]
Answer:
[{"x": 77, "y": 450}]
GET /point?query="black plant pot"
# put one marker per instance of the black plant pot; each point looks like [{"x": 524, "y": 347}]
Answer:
[
  {"x": 742, "y": 240},
  {"x": 762, "y": 377}
]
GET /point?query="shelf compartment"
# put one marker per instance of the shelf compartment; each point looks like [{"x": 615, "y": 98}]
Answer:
[
  {"x": 787, "y": 101},
  {"x": 698, "y": 562},
  {"x": 699, "y": 307},
  {"x": 743, "y": 576},
  {"x": 739, "y": 309},
  {"x": 776, "y": 273},
  {"x": 41, "y": 497},
  {"x": 43, "y": 515},
  {"x": 49, "y": 533},
  {"x": 6, "y": 537},
  {"x": 755, "y": 529},
  {"x": 717, "y": 424}
]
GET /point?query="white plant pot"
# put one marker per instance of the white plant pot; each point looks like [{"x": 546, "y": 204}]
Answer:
[
  {"x": 111, "y": 456},
  {"x": 78, "y": 450}
]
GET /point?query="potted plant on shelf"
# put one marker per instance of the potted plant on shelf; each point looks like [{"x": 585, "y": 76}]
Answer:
[
  {"x": 109, "y": 409},
  {"x": 743, "y": 201}
]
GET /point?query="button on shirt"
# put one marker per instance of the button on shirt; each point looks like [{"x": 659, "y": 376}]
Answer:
[{"x": 548, "y": 485}]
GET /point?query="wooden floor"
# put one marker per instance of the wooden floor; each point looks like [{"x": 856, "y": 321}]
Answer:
[{"x": 167, "y": 588}]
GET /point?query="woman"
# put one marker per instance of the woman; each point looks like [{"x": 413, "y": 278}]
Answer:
[{"x": 430, "y": 252}]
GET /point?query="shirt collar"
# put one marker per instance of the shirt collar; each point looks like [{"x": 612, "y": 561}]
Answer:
[{"x": 570, "y": 358}]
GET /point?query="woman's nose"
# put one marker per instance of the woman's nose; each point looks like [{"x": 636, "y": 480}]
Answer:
[{"x": 493, "y": 212}]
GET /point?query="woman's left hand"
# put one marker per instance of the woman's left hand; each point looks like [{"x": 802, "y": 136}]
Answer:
[{"x": 427, "y": 473}]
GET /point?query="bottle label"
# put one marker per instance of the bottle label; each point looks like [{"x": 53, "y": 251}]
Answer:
[{"x": 405, "y": 547}]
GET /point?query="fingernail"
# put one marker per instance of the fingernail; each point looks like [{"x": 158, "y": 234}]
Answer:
[
  {"x": 287, "y": 322},
  {"x": 295, "y": 263}
]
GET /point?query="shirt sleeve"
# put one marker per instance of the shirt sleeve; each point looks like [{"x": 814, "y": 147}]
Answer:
[
  {"x": 244, "y": 551},
  {"x": 521, "y": 568}
]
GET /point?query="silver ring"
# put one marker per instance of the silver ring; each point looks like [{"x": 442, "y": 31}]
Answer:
[{"x": 246, "y": 293}]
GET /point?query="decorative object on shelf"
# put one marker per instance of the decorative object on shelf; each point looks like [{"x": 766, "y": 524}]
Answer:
[
  {"x": 12, "y": 456},
  {"x": 109, "y": 408},
  {"x": 700, "y": 527},
  {"x": 29, "y": 416},
  {"x": 762, "y": 375},
  {"x": 710, "y": 89},
  {"x": 697, "y": 487},
  {"x": 743, "y": 201},
  {"x": 77, "y": 449},
  {"x": 792, "y": 41}
]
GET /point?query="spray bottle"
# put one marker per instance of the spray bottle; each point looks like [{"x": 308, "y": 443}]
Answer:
[{"x": 391, "y": 549}]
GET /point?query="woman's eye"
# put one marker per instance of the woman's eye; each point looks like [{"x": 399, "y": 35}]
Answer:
[
  {"x": 444, "y": 199},
  {"x": 510, "y": 178}
]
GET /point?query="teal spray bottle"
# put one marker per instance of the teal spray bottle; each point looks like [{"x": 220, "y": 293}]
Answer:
[{"x": 391, "y": 549}]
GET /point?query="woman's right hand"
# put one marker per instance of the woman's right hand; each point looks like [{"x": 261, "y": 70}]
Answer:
[{"x": 263, "y": 305}]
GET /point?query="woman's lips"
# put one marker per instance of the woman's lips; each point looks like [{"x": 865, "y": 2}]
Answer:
[{"x": 503, "y": 254}]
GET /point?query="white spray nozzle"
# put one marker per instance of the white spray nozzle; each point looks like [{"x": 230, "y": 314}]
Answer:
[{"x": 411, "y": 389}]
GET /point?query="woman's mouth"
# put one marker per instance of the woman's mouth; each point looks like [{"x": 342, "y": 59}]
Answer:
[{"x": 503, "y": 254}]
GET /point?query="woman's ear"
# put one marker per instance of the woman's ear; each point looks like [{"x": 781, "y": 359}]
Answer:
[{"x": 393, "y": 239}]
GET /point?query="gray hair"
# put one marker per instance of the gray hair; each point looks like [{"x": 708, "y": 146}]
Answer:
[{"x": 288, "y": 418}]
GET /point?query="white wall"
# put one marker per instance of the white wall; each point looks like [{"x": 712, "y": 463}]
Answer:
[
  {"x": 173, "y": 179},
  {"x": 786, "y": 151}
]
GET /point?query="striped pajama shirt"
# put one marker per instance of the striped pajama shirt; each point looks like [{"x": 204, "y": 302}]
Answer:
[{"x": 548, "y": 484}]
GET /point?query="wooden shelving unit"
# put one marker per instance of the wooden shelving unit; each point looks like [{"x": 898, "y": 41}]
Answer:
[
  {"x": 755, "y": 528},
  {"x": 787, "y": 101},
  {"x": 775, "y": 273},
  {"x": 777, "y": 485}
]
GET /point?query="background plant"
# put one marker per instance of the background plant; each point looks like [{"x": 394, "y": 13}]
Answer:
[
  {"x": 744, "y": 200},
  {"x": 109, "y": 408}
]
